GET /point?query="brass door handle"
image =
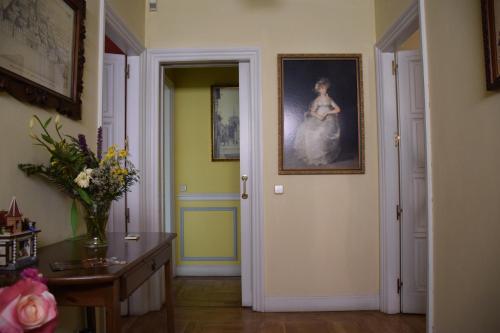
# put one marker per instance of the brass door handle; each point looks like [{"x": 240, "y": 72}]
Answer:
[{"x": 244, "y": 195}]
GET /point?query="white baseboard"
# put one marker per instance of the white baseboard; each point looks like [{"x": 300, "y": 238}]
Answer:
[
  {"x": 320, "y": 303},
  {"x": 198, "y": 270}
]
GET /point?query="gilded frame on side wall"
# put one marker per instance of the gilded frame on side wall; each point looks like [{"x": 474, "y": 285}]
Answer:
[
  {"x": 42, "y": 53},
  {"x": 320, "y": 116},
  {"x": 225, "y": 123},
  {"x": 491, "y": 41}
]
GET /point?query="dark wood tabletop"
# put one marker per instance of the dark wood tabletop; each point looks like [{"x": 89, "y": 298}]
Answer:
[
  {"x": 87, "y": 281},
  {"x": 132, "y": 252}
]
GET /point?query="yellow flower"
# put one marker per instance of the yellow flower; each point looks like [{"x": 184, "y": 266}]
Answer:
[
  {"x": 32, "y": 122},
  {"x": 123, "y": 153},
  {"x": 57, "y": 120},
  {"x": 111, "y": 153}
]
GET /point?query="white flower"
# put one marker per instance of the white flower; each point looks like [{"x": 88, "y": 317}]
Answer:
[
  {"x": 83, "y": 178},
  {"x": 32, "y": 122},
  {"x": 57, "y": 120}
]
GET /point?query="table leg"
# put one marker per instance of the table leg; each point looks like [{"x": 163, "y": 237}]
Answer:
[
  {"x": 169, "y": 297},
  {"x": 113, "y": 324},
  {"x": 90, "y": 322}
]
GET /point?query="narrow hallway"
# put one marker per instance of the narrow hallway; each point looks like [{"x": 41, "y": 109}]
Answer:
[{"x": 211, "y": 305}]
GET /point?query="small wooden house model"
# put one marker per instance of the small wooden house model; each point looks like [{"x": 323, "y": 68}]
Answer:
[
  {"x": 18, "y": 239},
  {"x": 12, "y": 220}
]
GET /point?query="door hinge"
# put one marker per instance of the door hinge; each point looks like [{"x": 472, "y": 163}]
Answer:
[
  {"x": 127, "y": 215},
  {"x": 399, "y": 211},
  {"x": 400, "y": 285},
  {"x": 394, "y": 68},
  {"x": 127, "y": 71},
  {"x": 397, "y": 139}
]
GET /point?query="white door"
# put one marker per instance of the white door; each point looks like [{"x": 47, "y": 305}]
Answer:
[
  {"x": 113, "y": 123},
  {"x": 413, "y": 182},
  {"x": 245, "y": 187}
]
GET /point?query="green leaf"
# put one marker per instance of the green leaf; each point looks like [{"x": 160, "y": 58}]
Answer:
[
  {"x": 47, "y": 138},
  {"x": 85, "y": 197},
  {"x": 74, "y": 218},
  {"x": 47, "y": 122}
]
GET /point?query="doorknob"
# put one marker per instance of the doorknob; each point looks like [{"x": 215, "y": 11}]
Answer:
[{"x": 244, "y": 195}]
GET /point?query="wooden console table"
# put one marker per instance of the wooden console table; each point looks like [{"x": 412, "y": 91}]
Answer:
[{"x": 108, "y": 286}]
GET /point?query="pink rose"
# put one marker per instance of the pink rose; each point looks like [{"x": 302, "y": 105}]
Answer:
[{"x": 27, "y": 306}]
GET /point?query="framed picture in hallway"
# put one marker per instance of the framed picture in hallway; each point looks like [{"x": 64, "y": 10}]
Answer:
[
  {"x": 491, "y": 40},
  {"x": 225, "y": 123},
  {"x": 41, "y": 52},
  {"x": 321, "y": 128}
]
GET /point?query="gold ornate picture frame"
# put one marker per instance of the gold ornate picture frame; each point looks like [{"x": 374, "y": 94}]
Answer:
[{"x": 321, "y": 122}]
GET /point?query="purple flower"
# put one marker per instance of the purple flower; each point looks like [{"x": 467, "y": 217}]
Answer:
[
  {"x": 34, "y": 274},
  {"x": 99, "y": 143},
  {"x": 82, "y": 142}
]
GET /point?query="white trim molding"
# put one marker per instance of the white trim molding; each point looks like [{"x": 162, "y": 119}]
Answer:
[
  {"x": 428, "y": 147},
  {"x": 208, "y": 197},
  {"x": 118, "y": 31},
  {"x": 320, "y": 303},
  {"x": 400, "y": 30},
  {"x": 152, "y": 153},
  {"x": 208, "y": 270}
]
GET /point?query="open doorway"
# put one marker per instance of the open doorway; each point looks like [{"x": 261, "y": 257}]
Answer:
[
  {"x": 157, "y": 160},
  {"x": 201, "y": 108},
  {"x": 405, "y": 173}
]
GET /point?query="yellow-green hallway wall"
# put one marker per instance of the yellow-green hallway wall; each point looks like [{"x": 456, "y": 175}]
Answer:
[
  {"x": 208, "y": 230},
  {"x": 321, "y": 237}
]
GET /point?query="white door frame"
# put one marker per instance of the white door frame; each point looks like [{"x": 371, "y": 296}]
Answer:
[
  {"x": 117, "y": 30},
  {"x": 412, "y": 19},
  {"x": 152, "y": 153}
]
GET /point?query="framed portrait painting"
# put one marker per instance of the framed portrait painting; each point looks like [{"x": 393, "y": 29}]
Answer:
[
  {"x": 225, "y": 123},
  {"x": 41, "y": 52},
  {"x": 321, "y": 127}
]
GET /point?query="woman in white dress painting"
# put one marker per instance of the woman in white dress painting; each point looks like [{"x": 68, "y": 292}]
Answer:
[{"x": 317, "y": 140}]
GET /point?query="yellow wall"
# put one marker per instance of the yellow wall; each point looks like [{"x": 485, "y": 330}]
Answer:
[
  {"x": 208, "y": 233},
  {"x": 192, "y": 132},
  {"x": 132, "y": 13},
  {"x": 465, "y": 120},
  {"x": 321, "y": 236},
  {"x": 387, "y": 11},
  {"x": 412, "y": 43}
]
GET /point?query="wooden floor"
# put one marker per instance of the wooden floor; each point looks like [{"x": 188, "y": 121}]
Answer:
[{"x": 211, "y": 305}]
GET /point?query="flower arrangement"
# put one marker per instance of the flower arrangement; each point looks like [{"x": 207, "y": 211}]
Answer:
[
  {"x": 93, "y": 180},
  {"x": 28, "y": 306}
]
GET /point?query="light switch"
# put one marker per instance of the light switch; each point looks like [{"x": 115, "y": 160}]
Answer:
[
  {"x": 278, "y": 189},
  {"x": 183, "y": 188}
]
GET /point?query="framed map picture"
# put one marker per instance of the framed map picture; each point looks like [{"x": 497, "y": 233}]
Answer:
[
  {"x": 41, "y": 53},
  {"x": 225, "y": 123},
  {"x": 321, "y": 128}
]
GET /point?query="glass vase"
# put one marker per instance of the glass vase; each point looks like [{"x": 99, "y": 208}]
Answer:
[{"x": 96, "y": 220}]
